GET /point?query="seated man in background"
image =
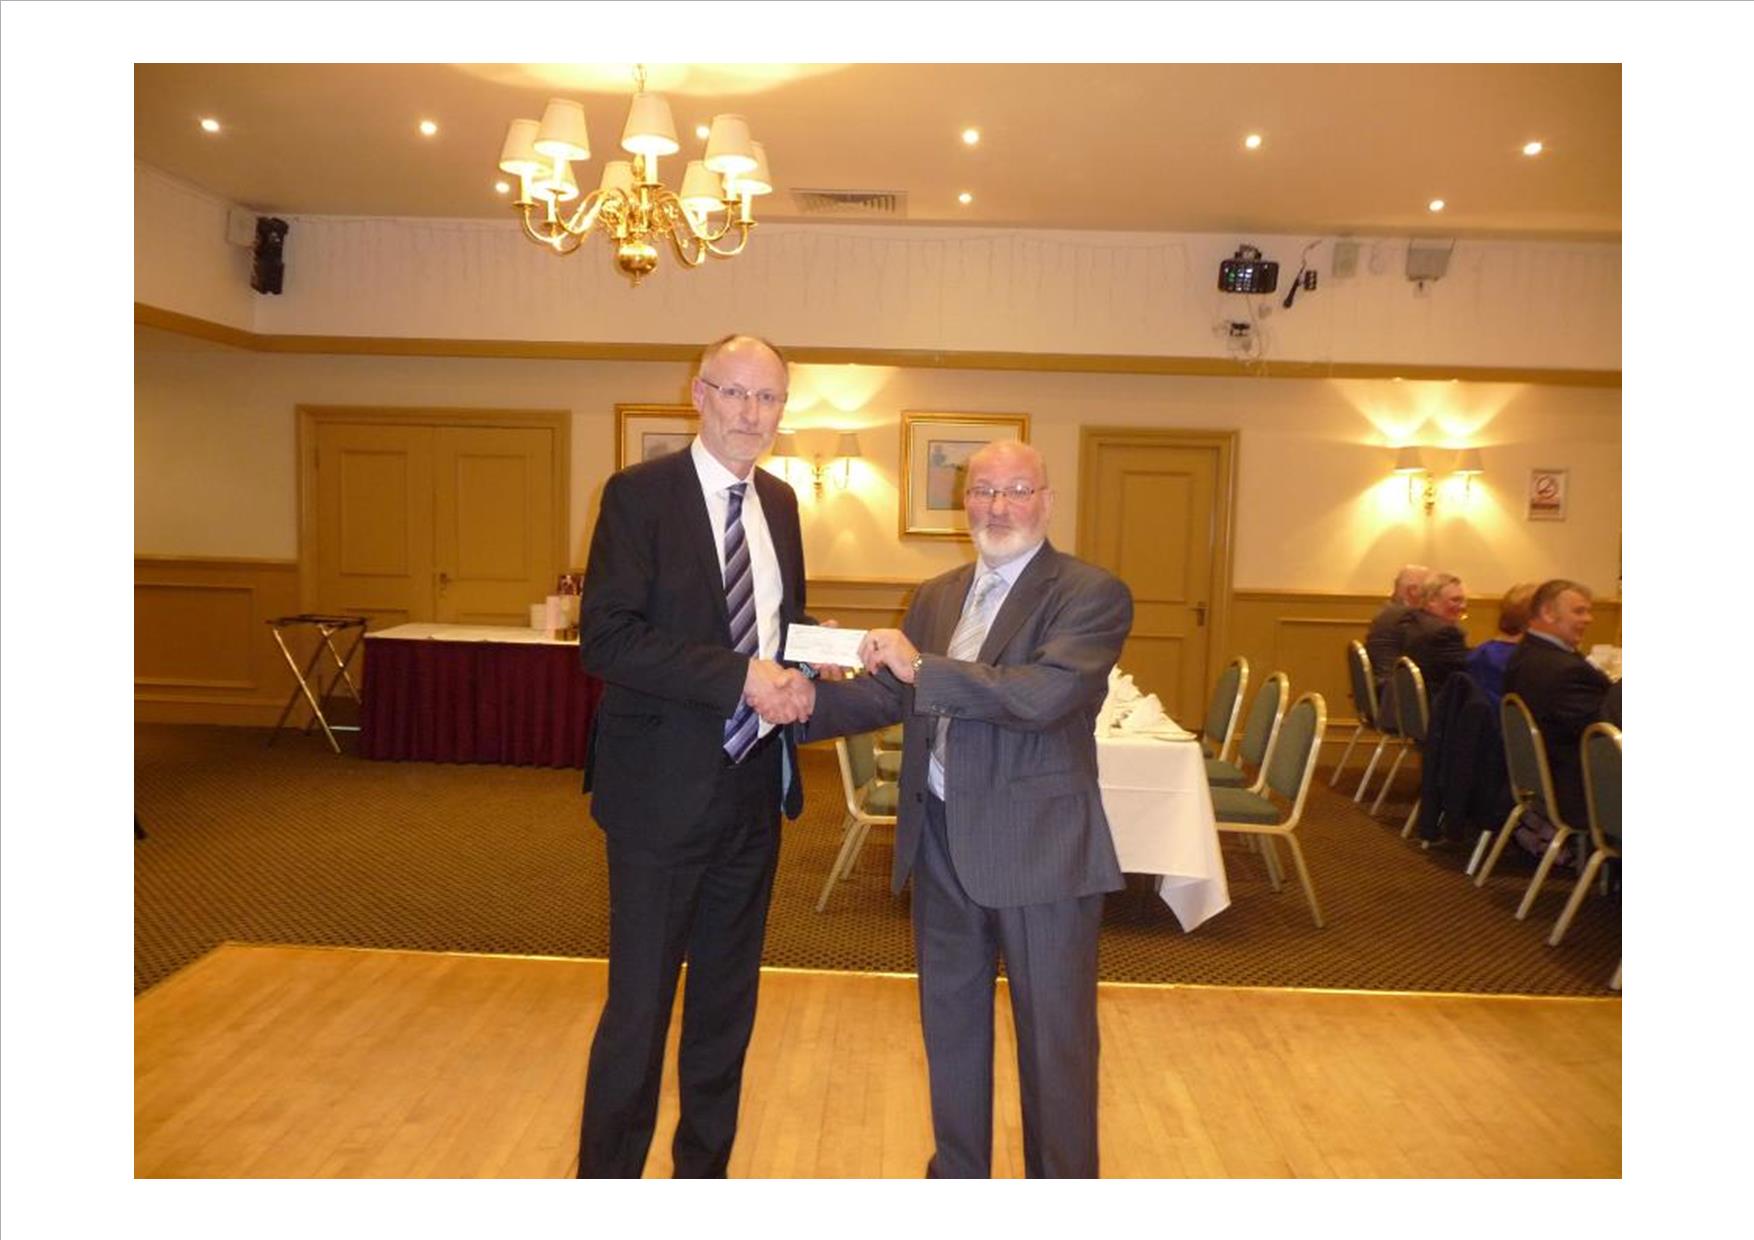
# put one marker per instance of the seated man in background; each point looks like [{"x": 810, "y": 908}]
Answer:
[
  {"x": 1434, "y": 636},
  {"x": 1564, "y": 691},
  {"x": 1387, "y": 637},
  {"x": 1487, "y": 661}
]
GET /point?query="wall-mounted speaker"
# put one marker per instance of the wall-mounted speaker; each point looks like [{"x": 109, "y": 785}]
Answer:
[{"x": 268, "y": 271}]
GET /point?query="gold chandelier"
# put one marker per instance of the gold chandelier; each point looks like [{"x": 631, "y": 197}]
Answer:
[{"x": 630, "y": 206}]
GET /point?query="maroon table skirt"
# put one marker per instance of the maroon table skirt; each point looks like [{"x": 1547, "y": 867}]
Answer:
[{"x": 457, "y": 701}]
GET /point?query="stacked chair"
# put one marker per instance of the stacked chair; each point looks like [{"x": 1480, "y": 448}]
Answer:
[
  {"x": 870, "y": 800},
  {"x": 1289, "y": 766}
]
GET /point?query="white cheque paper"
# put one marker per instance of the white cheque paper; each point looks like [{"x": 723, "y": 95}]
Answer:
[{"x": 817, "y": 644}]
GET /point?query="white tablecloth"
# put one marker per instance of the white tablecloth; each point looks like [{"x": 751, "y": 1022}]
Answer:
[
  {"x": 469, "y": 633},
  {"x": 1159, "y": 810}
]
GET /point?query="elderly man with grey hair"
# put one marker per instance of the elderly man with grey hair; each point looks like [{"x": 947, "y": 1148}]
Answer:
[
  {"x": 1435, "y": 641},
  {"x": 1387, "y": 638}
]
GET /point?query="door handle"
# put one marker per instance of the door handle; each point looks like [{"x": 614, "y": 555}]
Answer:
[
  {"x": 444, "y": 580},
  {"x": 1200, "y": 614}
]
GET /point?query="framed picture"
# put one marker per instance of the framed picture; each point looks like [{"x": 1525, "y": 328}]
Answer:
[
  {"x": 646, "y": 432},
  {"x": 1547, "y": 489},
  {"x": 935, "y": 448}
]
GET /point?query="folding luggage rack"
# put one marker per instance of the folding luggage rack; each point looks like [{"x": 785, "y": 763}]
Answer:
[{"x": 327, "y": 628}]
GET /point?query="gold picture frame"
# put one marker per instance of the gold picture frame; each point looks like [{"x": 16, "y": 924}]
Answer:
[
  {"x": 935, "y": 448},
  {"x": 646, "y": 432}
]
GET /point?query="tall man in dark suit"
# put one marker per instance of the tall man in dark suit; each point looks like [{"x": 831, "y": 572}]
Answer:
[
  {"x": 1564, "y": 690},
  {"x": 1434, "y": 638},
  {"x": 1387, "y": 636},
  {"x": 998, "y": 670},
  {"x": 696, "y": 567}
]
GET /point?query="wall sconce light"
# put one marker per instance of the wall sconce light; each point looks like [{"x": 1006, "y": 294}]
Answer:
[
  {"x": 1410, "y": 461},
  {"x": 785, "y": 450},
  {"x": 1468, "y": 467}
]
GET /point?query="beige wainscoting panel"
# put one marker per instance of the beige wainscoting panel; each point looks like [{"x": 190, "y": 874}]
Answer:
[
  {"x": 860, "y": 602},
  {"x": 203, "y": 652},
  {"x": 1304, "y": 635}
]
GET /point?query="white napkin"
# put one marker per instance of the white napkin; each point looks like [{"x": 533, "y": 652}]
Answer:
[{"x": 1145, "y": 715}]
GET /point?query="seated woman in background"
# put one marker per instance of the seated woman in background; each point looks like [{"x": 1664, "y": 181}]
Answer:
[{"x": 1487, "y": 661}]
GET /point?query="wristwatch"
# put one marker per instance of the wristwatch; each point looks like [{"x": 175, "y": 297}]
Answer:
[{"x": 918, "y": 659}]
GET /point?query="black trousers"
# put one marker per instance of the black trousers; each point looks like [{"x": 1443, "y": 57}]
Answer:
[{"x": 705, "y": 901}]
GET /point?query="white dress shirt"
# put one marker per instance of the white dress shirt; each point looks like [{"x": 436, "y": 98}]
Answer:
[{"x": 764, "y": 566}]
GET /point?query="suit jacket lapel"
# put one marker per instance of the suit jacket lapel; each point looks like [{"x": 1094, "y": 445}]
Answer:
[
  {"x": 1021, "y": 601},
  {"x": 785, "y": 536}
]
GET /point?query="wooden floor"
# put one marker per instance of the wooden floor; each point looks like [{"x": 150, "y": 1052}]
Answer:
[{"x": 289, "y": 1061}]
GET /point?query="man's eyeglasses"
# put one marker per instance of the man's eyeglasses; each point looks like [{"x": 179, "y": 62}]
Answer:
[
  {"x": 736, "y": 393},
  {"x": 1017, "y": 494}
]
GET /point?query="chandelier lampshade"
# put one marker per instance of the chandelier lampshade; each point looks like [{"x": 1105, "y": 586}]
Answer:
[
  {"x": 563, "y": 134},
  {"x": 650, "y": 129},
  {"x": 728, "y": 148}
]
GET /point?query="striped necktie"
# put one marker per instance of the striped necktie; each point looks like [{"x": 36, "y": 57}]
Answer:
[
  {"x": 965, "y": 642},
  {"x": 742, "y": 728}
]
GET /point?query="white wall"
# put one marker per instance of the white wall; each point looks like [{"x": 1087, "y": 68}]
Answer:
[
  {"x": 1512, "y": 304},
  {"x": 182, "y": 260},
  {"x": 216, "y": 469}
]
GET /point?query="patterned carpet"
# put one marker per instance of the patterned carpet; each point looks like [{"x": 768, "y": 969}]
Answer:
[{"x": 292, "y": 844}]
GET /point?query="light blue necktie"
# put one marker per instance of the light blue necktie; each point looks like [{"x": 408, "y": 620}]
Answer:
[
  {"x": 742, "y": 728},
  {"x": 965, "y": 642}
]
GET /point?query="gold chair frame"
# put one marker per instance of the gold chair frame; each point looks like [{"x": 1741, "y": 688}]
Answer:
[
  {"x": 1359, "y": 673},
  {"x": 1562, "y": 831},
  {"x": 1601, "y": 850},
  {"x": 1284, "y": 683},
  {"x": 1288, "y": 826},
  {"x": 1222, "y": 752},
  {"x": 1417, "y": 679},
  {"x": 859, "y": 821}
]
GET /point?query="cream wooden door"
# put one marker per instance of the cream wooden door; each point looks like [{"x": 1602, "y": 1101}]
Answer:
[
  {"x": 494, "y": 506},
  {"x": 430, "y": 516},
  {"x": 374, "y": 554},
  {"x": 1155, "y": 511}
]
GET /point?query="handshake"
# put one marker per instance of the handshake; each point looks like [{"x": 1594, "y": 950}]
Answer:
[
  {"x": 783, "y": 695},
  {"x": 778, "y": 694}
]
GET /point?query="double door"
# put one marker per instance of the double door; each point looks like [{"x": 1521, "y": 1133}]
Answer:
[{"x": 412, "y": 518}]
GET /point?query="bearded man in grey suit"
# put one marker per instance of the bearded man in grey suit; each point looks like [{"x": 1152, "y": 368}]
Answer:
[{"x": 998, "y": 671}]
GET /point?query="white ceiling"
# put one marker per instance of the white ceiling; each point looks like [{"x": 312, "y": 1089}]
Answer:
[{"x": 1347, "y": 149}]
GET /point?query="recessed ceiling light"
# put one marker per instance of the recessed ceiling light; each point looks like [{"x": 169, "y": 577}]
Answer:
[
  {"x": 1532, "y": 148},
  {"x": 501, "y": 187},
  {"x": 971, "y": 135},
  {"x": 703, "y": 132},
  {"x": 965, "y": 198},
  {"x": 1436, "y": 204},
  {"x": 1253, "y": 141},
  {"x": 428, "y": 128},
  {"x": 209, "y": 124}
]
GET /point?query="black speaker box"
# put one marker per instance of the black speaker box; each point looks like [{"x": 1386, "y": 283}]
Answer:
[{"x": 268, "y": 271}]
